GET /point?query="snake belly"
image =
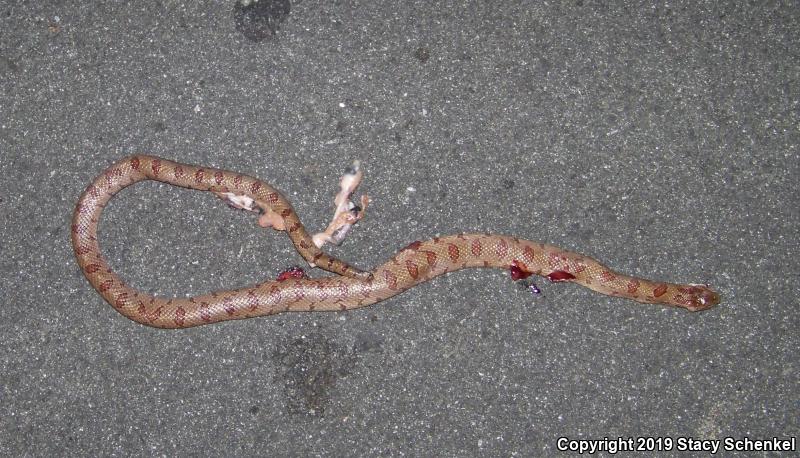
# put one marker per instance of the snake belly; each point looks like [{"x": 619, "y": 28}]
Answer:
[{"x": 350, "y": 288}]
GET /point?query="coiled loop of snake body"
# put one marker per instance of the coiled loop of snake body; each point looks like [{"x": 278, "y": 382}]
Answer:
[{"x": 350, "y": 288}]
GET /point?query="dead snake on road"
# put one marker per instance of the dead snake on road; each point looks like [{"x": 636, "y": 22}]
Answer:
[{"x": 350, "y": 288}]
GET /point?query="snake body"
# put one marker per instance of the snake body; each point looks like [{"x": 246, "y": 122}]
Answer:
[{"x": 350, "y": 288}]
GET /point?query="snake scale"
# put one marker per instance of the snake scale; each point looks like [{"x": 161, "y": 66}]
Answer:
[{"x": 350, "y": 288}]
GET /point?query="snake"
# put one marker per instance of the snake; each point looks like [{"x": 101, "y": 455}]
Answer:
[{"x": 348, "y": 288}]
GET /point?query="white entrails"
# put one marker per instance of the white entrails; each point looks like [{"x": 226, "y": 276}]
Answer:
[
  {"x": 345, "y": 216},
  {"x": 347, "y": 213}
]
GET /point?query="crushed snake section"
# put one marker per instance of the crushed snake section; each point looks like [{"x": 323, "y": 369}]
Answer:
[{"x": 350, "y": 288}]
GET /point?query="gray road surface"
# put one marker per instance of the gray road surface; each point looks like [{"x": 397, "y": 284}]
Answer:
[{"x": 661, "y": 138}]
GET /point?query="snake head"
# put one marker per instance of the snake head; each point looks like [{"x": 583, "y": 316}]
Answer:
[{"x": 698, "y": 297}]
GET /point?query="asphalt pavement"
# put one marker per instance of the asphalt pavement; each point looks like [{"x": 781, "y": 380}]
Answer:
[{"x": 661, "y": 138}]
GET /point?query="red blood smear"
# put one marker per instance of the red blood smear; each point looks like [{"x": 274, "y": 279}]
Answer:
[
  {"x": 291, "y": 272},
  {"x": 519, "y": 270},
  {"x": 560, "y": 275}
]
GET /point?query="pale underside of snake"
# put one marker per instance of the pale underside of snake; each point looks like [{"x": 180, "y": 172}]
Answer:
[{"x": 349, "y": 288}]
